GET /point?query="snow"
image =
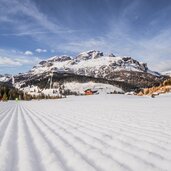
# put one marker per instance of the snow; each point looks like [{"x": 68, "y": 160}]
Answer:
[
  {"x": 35, "y": 90},
  {"x": 4, "y": 79},
  {"x": 51, "y": 92},
  {"x": 76, "y": 64},
  {"x": 97, "y": 62},
  {"x": 167, "y": 73},
  {"x": 74, "y": 87},
  {"x": 86, "y": 133},
  {"x": 101, "y": 88}
]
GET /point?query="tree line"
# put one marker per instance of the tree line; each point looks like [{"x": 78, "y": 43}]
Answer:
[{"x": 11, "y": 93}]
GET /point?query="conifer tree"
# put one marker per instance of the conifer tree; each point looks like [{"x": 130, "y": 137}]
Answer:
[{"x": 5, "y": 98}]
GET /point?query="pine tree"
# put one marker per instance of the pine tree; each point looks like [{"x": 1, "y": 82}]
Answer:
[{"x": 5, "y": 98}]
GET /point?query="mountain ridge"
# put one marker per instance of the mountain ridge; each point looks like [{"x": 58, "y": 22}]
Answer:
[
  {"x": 124, "y": 72},
  {"x": 90, "y": 60}
]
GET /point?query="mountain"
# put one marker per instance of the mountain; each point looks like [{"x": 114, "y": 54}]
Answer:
[
  {"x": 168, "y": 73},
  {"x": 91, "y": 63},
  {"x": 163, "y": 88},
  {"x": 6, "y": 81},
  {"x": 5, "y": 77},
  {"x": 125, "y": 73}
]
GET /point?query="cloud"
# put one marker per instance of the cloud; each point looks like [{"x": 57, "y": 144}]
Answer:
[
  {"x": 121, "y": 36},
  {"x": 28, "y": 52},
  {"x": 14, "y": 61},
  {"x": 40, "y": 50},
  {"x": 21, "y": 61},
  {"x": 5, "y": 61},
  {"x": 26, "y": 33},
  {"x": 15, "y": 58},
  {"x": 163, "y": 65},
  {"x": 40, "y": 22}
]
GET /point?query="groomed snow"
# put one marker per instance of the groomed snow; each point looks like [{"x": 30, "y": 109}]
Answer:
[{"x": 86, "y": 133}]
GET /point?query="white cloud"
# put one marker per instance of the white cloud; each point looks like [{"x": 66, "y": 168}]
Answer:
[
  {"x": 164, "y": 65},
  {"x": 21, "y": 61},
  {"x": 28, "y": 52},
  {"x": 5, "y": 61},
  {"x": 41, "y": 23},
  {"x": 154, "y": 50},
  {"x": 41, "y": 50},
  {"x": 15, "y": 58}
]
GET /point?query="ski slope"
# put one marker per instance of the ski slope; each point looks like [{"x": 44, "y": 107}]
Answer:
[{"x": 88, "y": 133}]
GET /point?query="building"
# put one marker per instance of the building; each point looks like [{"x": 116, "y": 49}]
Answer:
[{"x": 89, "y": 92}]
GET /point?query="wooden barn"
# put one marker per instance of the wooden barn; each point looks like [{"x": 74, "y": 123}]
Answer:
[{"x": 89, "y": 92}]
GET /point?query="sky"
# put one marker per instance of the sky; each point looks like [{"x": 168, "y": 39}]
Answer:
[{"x": 33, "y": 30}]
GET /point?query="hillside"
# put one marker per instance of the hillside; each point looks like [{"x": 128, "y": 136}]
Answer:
[
  {"x": 168, "y": 73},
  {"x": 164, "y": 87},
  {"x": 125, "y": 73}
]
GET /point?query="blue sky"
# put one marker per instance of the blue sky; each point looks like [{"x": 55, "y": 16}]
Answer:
[{"x": 32, "y": 30}]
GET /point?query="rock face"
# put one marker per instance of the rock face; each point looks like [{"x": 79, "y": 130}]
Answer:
[
  {"x": 89, "y": 55},
  {"x": 5, "y": 77},
  {"x": 124, "y": 72}
]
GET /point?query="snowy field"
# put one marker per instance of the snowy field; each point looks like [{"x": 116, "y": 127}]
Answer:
[{"x": 89, "y": 133}]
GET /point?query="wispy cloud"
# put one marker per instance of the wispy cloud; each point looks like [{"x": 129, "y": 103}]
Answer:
[
  {"x": 41, "y": 50},
  {"x": 5, "y": 61},
  {"x": 27, "y": 33},
  {"x": 123, "y": 35},
  {"x": 41, "y": 23},
  {"x": 14, "y": 58}
]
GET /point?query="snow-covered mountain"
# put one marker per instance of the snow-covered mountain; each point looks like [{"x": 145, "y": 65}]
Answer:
[
  {"x": 5, "y": 78},
  {"x": 91, "y": 63},
  {"x": 168, "y": 73},
  {"x": 125, "y": 73}
]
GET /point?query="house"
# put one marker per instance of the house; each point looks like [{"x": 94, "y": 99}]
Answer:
[{"x": 89, "y": 92}]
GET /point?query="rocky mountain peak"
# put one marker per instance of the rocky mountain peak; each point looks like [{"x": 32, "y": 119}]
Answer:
[
  {"x": 59, "y": 58},
  {"x": 93, "y": 54}
]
